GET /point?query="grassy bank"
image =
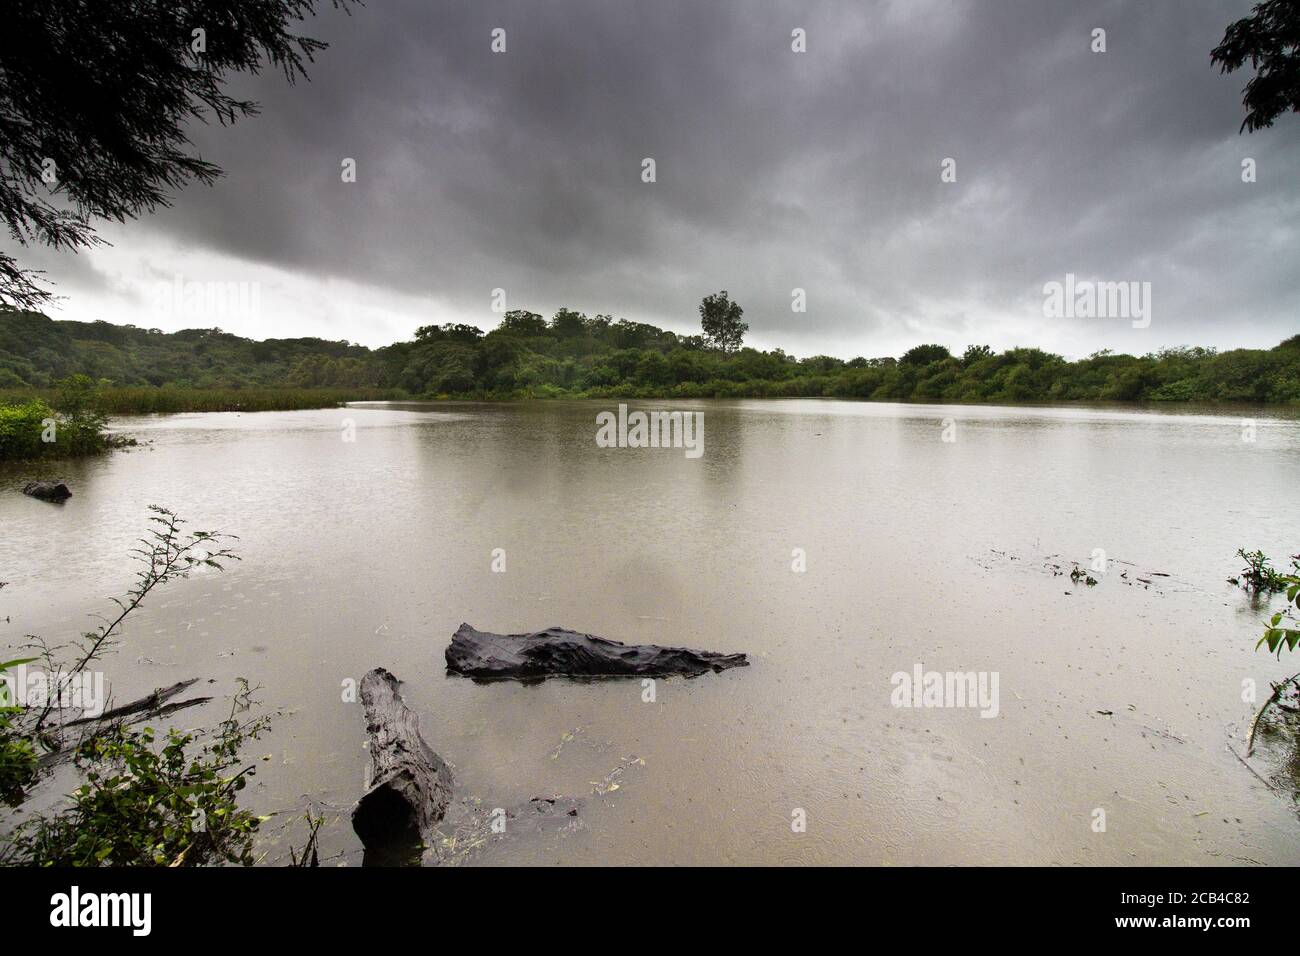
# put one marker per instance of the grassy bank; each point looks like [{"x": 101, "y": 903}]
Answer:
[
  {"x": 146, "y": 399},
  {"x": 68, "y": 421}
]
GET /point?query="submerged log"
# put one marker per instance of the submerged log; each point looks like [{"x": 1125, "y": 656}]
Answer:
[
  {"x": 408, "y": 786},
  {"x": 48, "y": 490},
  {"x": 556, "y": 652},
  {"x": 153, "y": 706},
  {"x": 150, "y": 705}
]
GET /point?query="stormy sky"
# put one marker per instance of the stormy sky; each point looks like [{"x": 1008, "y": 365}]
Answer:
[{"x": 775, "y": 170}]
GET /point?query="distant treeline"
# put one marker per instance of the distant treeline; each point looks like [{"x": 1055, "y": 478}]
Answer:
[{"x": 573, "y": 355}]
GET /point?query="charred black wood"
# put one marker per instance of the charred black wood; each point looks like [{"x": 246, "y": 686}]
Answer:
[{"x": 557, "y": 652}]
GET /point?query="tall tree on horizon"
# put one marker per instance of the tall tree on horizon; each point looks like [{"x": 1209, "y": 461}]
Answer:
[
  {"x": 721, "y": 321},
  {"x": 94, "y": 102}
]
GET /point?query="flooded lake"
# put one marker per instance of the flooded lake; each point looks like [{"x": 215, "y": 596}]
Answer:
[{"x": 837, "y": 543}]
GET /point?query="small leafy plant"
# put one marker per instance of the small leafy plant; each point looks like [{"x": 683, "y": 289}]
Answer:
[
  {"x": 17, "y": 755},
  {"x": 1279, "y": 633},
  {"x": 144, "y": 806},
  {"x": 1283, "y": 629},
  {"x": 1258, "y": 575}
]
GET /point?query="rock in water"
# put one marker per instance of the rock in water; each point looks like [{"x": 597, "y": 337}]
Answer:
[
  {"x": 556, "y": 652},
  {"x": 408, "y": 786},
  {"x": 48, "y": 490}
]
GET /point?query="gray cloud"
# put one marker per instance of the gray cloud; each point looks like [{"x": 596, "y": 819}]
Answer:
[{"x": 775, "y": 170}]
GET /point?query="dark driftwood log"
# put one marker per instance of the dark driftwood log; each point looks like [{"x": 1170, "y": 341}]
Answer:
[
  {"x": 558, "y": 652},
  {"x": 47, "y": 490},
  {"x": 408, "y": 786}
]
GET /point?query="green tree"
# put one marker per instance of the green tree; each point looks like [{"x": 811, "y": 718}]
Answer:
[
  {"x": 76, "y": 395},
  {"x": 452, "y": 332},
  {"x": 522, "y": 322},
  {"x": 568, "y": 324},
  {"x": 923, "y": 355},
  {"x": 653, "y": 369},
  {"x": 453, "y": 377},
  {"x": 721, "y": 320}
]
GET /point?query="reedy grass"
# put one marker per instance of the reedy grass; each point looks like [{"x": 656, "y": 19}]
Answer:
[{"x": 145, "y": 400}]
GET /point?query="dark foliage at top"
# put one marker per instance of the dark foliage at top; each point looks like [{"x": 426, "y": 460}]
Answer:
[
  {"x": 1269, "y": 39},
  {"x": 94, "y": 100}
]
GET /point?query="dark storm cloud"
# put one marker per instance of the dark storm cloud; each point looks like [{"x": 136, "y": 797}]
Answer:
[{"x": 776, "y": 170}]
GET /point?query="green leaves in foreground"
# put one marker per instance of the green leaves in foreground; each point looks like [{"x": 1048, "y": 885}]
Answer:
[
  {"x": 1275, "y": 636},
  {"x": 17, "y": 754},
  {"x": 1259, "y": 577},
  {"x": 143, "y": 805},
  {"x": 145, "y": 799}
]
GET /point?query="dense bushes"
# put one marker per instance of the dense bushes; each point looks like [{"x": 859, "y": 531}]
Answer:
[
  {"x": 36, "y": 351},
  {"x": 601, "y": 358},
  {"x": 35, "y": 430},
  {"x": 573, "y": 355}
]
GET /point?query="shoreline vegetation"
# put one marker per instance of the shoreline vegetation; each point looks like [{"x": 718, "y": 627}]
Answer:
[
  {"x": 65, "y": 424},
  {"x": 149, "y": 793},
  {"x": 169, "y": 399},
  {"x": 77, "y": 373}
]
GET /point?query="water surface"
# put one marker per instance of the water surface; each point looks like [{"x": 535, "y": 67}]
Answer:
[{"x": 371, "y": 552}]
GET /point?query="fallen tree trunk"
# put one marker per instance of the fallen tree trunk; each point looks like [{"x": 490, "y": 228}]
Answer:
[
  {"x": 152, "y": 707},
  {"x": 408, "y": 786},
  {"x": 557, "y": 652},
  {"x": 152, "y": 703}
]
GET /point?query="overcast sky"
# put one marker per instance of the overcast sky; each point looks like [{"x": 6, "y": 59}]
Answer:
[{"x": 775, "y": 170}]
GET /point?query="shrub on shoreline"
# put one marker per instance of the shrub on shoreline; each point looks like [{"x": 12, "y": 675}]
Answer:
[{"x": 34, "y": 430}]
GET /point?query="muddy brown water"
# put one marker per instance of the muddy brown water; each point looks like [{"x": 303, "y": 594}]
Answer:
[{"x": 917, "y": 551}]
